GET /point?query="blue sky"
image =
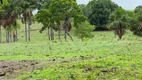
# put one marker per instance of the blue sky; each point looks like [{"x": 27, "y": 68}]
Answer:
[{"x": 126, "y": 4}]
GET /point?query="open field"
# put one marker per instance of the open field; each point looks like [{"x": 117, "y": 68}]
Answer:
[{"x": 100, "y": 58}]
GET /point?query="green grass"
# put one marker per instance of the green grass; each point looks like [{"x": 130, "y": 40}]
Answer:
[
  {"x": 100, "y": 58},
  {"x": 103, "y": 60}
]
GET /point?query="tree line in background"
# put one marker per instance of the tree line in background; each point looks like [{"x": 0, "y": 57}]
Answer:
[
  {"x": 62, "y": 15},
  {"x": 106, "y": 15}
]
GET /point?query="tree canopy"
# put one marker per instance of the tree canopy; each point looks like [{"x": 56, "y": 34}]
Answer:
[
  {"x": 136, "y": 26},
  {"x": 60, "y": 11},
  {"x": 100, "y": 12}
]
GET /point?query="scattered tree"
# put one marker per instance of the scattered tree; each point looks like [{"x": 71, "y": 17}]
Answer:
[
  {"x": 26, "y": 8},
  {"x": 119, "y": 28},
  {"x": 119, "y": 21},
  {"x": 60, "y": 13}
]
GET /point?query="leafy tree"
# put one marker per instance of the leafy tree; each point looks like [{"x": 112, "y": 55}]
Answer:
[
  {"x": 84, "y": 9},
  {"x": 43, "y": 17},
  {"x": 42, "y": 4},
  {"x": 100, "y": 12},
  {"x": 61, "y": 11},
  {"x": 136, "y": 26},
  {"x": 3, "y": 2},
  {"x": 138, "y": 9},
  {"x": 84, "y": 30},
  {"x": 138, "y": 12},
  {"x": 67, "y": 9},
  {"x": 118, "y": 14}
]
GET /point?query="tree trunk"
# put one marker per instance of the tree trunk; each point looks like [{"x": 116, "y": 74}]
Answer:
[
  {"x": 29, "y": 23},
  {"x": 120, "y": 34},
  {"x": 10, "y": 36},
  {"x": 65, "y": 35},
  {"x": 52, "y": 34},
  {"x": 120, "y": 37},
  {"x": 0, "y": 35},
  {"x": 65, "y": 27},
  {"x": 69, "y": 36},
  {"x": 26, "y": 32},
  {"x": 49, "y": 34},
  {"x": 59, "y": 33},
  {"x": 7, "y": 35},
  {"x": 16, "y": 34}
]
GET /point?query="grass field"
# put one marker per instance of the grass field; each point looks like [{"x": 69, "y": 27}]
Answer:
[{"x": 100, "y": 58}]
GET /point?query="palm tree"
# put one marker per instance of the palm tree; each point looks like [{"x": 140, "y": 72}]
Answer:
[
  {"x": 27, "y": 7},
  {"x": 119, "y": 28},
  {"x": 9, "y": 16}
]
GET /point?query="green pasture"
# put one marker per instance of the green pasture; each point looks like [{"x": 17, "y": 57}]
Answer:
[{"x": 101, "y": 58}]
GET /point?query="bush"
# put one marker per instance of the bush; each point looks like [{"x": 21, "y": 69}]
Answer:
[{"x": 84, "y": 30}]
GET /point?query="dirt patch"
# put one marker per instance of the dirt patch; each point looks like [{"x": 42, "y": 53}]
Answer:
[{"x": 11, "y": 69}]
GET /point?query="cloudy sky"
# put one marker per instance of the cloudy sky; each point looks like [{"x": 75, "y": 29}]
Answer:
[{"x": 126, "y": 4}]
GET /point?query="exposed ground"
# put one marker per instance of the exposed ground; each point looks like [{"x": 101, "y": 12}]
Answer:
[{"x": 10, "y": 69}]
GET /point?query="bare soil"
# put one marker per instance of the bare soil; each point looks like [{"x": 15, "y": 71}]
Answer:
[{"x": 9, "y": 70}]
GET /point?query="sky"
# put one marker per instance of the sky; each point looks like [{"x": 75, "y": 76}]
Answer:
[{"x": 126, "y": 4}]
